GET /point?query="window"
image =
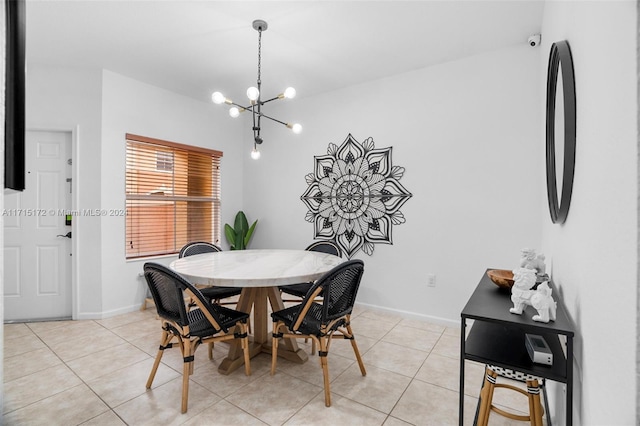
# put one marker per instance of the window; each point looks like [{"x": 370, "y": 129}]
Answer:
[
  {"x": 172, "y": 196},
  {"x": 164, "y": 161}
]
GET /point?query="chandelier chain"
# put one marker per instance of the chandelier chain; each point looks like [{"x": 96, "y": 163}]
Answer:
[{"x": 259, "y": 56}]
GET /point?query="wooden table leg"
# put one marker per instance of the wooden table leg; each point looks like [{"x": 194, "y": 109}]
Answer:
[
  {"x": 256, "y": 299},
  {"x": 260, "y": 317}
]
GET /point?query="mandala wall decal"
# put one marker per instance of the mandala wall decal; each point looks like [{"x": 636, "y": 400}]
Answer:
[{"x": 354, "y": 196}]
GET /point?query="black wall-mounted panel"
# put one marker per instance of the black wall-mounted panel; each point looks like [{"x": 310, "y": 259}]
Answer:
[{"x": 15, "y": 76}]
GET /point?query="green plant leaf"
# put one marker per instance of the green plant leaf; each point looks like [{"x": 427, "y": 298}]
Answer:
[
  {"x": 230, "y": 234},
  {"x": 239, "y": 244},
  {"x": 241, "y": 225},
  {"x": 250, "y": 233}
]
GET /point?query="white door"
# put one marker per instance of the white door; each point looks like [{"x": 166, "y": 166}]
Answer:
[{"x": 37, "y": 240}]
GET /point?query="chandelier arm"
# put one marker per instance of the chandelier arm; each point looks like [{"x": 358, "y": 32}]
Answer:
[
  {"x": 239, "y": 106},
  {"x": 273, "y": 119},
  {"x": 269, "y": 100}
]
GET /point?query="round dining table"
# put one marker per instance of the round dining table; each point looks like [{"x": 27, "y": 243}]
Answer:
[{"x": 259, "y": 273}]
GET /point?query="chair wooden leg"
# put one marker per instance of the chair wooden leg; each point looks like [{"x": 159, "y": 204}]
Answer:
[
  {"x": 482, "y": 409},
  {"x": 188, "y": 362},
  {"x": 325, "y": 370},
  {"x": 274, "y": 347},
  {"x": 535, "y": 406},
  {"x": 210, "y": 349},
  {"x": 532, "y": 417},
  {"x": 356, "y": 351},
  {"x": 147, "y": 300},
  {"x": 245, "y": 349},
  {"x": 164, "y": 341},
  {"x": 486, "y": 396}
]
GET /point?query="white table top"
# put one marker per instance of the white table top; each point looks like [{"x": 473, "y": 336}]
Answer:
[{"x": 255, "y": 268}]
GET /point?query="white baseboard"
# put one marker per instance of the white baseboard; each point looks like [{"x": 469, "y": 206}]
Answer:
[
  {"x": 404, "y": 314},
  {"x": 107, "y": 314},
  {"x": 411, "y": 315}
]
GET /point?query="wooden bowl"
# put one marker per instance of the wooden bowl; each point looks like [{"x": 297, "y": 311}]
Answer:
[{"x": 501, "y": 277}]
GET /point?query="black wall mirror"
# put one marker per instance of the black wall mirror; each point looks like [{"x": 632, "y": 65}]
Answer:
[{"x": 561, "y": 130}]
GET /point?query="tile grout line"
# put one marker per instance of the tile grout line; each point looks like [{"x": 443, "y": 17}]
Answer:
[
  {"x": 88, "y": 386},
  {"x": 82, "y": 382},
  {"x": 412, "y": 380}
]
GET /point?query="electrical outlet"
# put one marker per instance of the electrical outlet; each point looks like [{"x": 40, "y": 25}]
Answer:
[{"x": 431, "y": 280}]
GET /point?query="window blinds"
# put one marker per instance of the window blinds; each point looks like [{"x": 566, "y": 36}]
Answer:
[{"x": 172, "y": 196}]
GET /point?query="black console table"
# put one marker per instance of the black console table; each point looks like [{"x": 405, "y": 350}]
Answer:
[{"x": 497, "y": 337}]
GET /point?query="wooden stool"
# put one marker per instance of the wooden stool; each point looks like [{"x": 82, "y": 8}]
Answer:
[{"x": 532, "y": 393}]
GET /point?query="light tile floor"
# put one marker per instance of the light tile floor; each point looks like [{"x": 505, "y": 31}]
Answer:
[{"x": 94, "y": 373}]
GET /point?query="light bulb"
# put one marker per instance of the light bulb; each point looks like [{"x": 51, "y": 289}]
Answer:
[
  {"x": 217, "y": 98},
  {"x": 255, "y": 154},
  {"x": 253, "y": 93},
  {"x": 234, "y": 112},
  {"x": 296, "y": 128},
  {"x": 289, "y": 93}
]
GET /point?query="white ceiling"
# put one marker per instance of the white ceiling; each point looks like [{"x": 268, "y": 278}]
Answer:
[{"x": 197, "y": 47}]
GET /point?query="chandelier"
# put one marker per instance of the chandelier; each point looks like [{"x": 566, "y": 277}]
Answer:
[{"x": 255, "y": 99}]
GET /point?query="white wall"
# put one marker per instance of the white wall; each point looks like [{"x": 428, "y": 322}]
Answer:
[
  {"x": 468, "y": 134},
  {"x": 69, "y": 99},
  {"x": 593, "y": 256},
  {"x": 129, "y": 106}
]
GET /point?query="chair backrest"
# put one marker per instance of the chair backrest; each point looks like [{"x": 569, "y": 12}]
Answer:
[
  {"x": 168, "y": 291},
  {"x": 197, "y": 247},
  {"x": 325, "y": 247},
  {"x": 339, "y": 288}
]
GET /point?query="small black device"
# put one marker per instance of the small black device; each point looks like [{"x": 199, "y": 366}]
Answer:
[{"x": 538, "y": 349}]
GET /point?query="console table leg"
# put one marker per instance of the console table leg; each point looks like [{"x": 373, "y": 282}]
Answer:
[
  {"x": 463, "y": 326},
  {"x": 569, "y": 381}
]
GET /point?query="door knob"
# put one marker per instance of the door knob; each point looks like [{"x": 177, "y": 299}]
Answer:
[{"x": 67, "y": 235}]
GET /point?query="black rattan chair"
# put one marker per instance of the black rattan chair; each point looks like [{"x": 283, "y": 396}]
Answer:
[
  {"x": 300, "y": 290},
  {"x": 214, "y": 294},
  {"x": 204, "y": 323},
  {"x": 325, "y": 320}
]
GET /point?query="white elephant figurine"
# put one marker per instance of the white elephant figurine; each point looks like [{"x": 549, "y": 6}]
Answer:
[{"x": 540, "y": 299}]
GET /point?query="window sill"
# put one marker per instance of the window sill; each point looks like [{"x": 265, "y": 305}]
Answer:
[{"x": 152, "y": 258}]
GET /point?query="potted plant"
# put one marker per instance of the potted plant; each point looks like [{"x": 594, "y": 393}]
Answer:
[{"x": 238, "y": 237}]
